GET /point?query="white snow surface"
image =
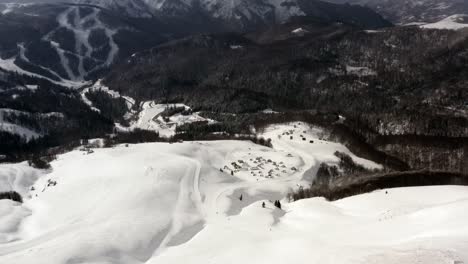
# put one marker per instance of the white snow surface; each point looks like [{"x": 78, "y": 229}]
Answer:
[
  {"x": 168, "y": 203},
  {"x": 454, "y": 22}
]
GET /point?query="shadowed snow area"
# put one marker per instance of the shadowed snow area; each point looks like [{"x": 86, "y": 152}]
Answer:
[{"x": 173, "y": 203}]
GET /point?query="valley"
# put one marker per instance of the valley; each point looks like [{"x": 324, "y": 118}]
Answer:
[{"x": 227, "y": 131}]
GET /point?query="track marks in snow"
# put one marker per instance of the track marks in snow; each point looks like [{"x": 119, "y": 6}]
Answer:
[{"x": 187, "y": 205}]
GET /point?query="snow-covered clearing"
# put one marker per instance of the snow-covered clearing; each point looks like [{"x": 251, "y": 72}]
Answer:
[{"x": 168, "y": 203}]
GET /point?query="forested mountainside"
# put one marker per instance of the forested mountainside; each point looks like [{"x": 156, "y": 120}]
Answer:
[
  {"x": 36, "y": 114},
  {"x": 394, "y": 83},
  {"x": 66, "y": 42},
  {"x": 51, "y": 51}
]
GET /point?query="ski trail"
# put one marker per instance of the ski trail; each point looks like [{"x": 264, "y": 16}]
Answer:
[
  {"x": 188, "y": 201},
  {"x": 22, "y": 55},
  {"x": 82, "y": 27}
]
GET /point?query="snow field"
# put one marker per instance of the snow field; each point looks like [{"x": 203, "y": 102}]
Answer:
[{"x": 167, "y": 203}]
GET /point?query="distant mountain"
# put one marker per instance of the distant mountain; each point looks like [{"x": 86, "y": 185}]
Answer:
[
  {"x": 239, "y": 14},
  {"x": 408, "y": 11},
  {"x": 48, "y": 47},
  {"x": 80, "y": 39}
]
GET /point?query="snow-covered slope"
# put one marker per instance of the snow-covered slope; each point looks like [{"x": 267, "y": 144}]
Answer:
[
  {"x": 407, "y": 225},
  {"x": 454, "y": 22},
  {"x": 8, "y": 124},
  {"x": 158, "y": 203}
]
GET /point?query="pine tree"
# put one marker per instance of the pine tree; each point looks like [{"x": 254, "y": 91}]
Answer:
[
  {"x": 278, "y": 204},
  {"x": 240, "y": 198}
]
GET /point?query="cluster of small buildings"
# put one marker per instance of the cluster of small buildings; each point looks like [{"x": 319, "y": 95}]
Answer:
[{"x": 260, "y": 167}]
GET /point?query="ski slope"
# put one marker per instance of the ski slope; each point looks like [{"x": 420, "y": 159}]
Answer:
[{"x": 168, "y": 203}]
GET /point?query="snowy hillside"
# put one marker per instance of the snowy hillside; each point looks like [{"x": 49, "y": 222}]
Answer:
[
  {"x": 454, "y": 22},
  {"x": 10, "y": 121},
  {"x": 158, "y": 202}
]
